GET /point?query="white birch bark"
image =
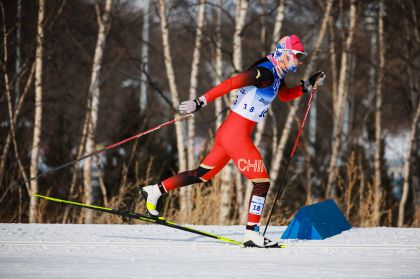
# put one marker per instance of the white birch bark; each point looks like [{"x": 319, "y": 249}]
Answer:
[
  {"x": 378, "y": 116},
  {"x": 406, "y": 168},
  {"x": 182, "y": 159},
  {"x": 240, "y": 18},
  {"x": 411, "y": 139},
  {"x": 36, "y": 140},
  {"x": 278, "y": 157},
  {"x": 186, "y": 192},
  {"x": 333, "y": 61},
  {"x": 226, "y": 174},
  {"x": 219, "y": 63},
  {"x": 194, "y": 80},
  {"x": 144, "y": 56},
  {"x": 242, "y": 9},
  {"x": 225, "y": 194},
  {"x": 18, "y": 61},
  {"x": 278, "y": 22},
  {"x": 341, "y": 100},
  {"x": 104, "y": 23}
]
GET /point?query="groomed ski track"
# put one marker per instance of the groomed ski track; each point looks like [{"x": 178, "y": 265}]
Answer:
[{"x": 153, "y": 251}]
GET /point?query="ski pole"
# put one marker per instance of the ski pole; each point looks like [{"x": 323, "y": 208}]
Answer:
[
  {"x": 280, "y": 190},
  {"x": 108, "y": 147}
]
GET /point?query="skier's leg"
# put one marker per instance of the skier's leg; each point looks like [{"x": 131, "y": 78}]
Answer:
[
  {"x": 211, "y": 165},
  {"x": 248, "y": 160}
]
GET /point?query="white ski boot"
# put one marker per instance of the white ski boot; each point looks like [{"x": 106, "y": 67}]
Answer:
[
  {"x": 151, "y": 194},
  {"x": 252, "y": 238}
]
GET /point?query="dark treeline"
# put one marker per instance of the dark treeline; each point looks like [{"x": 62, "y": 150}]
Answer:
[{"x": 69, "y": 46}]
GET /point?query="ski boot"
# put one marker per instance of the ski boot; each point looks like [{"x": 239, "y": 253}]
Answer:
[
  {"x": 152, "y": 194},
  {"x": 253, "y": 238}
]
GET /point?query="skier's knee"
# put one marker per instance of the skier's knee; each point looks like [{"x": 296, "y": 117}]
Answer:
[{"x": 198, "y": 173}]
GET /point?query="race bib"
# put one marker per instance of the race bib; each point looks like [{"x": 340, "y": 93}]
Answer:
[{"x": 257, "y": 205}]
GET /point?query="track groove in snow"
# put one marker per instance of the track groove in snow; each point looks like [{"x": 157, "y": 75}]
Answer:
[
  {"x": 215, "y": 245},
  {"x": 152, "y": 251}
]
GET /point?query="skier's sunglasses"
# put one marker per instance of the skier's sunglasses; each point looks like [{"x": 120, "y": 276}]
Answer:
[{"x": 300, "y": 55}]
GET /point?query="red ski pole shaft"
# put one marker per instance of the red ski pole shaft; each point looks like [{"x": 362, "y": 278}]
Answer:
[
  {"x": 108, "y": 147},
  {"x": 303, "y": 120},
  {"x": 291, "y": 154}
]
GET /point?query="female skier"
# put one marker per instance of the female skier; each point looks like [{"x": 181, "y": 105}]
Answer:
[{"x": 258, "y": 86}]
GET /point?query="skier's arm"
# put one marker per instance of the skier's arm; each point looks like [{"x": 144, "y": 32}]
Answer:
[
  {"x": 286, "y": 94},
  {"x": 258, "y": 76}
]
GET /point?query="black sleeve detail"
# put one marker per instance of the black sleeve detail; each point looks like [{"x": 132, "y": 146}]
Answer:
[
  {"x": 262, "y": 60},
  {"x": 263, "y": 77},
  {"x": 202, "y": 171}
]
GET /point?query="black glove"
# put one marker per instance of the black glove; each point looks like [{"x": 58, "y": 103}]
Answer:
[{"x": 309, "y": 84}]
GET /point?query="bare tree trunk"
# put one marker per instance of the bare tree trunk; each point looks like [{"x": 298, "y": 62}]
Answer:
[
  {"x": 279, "y": 21},
  {"x": 378, "y": 116},
  {"x": 104, "y": 23},
  {"x": 278, "y": 157},
  {"x": 12, "y": 112},
  {"x": 241, "y": 9},
  {"x": 406, "y": 168},
  {"x": 226, "y": 174},
  {"x": 194, "y": 80},
  {"x": 38, "y": 112},
  {"x": 225, "y": 195},
  {"x": 182, "y": 159},
  {"x": 186, "y": 192},
  {"x": 11, "y": 138},
  {"x": 241, "y": 12},
  {"x": 144, "y": 56},
  {"x": 18, "y": 52},
  {"x": 219, "y": 63},
  {"x": 341, "y": 100},
  {"x": 79, "y": 153},
  {"x": 333, "y": 61},
  {"x": 413, "y": 78}
]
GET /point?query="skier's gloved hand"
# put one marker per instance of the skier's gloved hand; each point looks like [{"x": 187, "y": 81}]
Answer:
[
  {"x": 307, "y": 85},
  {"x": 192, "y": 106}
]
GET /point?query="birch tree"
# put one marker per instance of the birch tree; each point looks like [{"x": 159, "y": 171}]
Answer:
[
  {"x": 219, "y": 63},
  {"x": 414, "y": 86},
  {"x": 104, "y": 23},
  {"x": 36, "y": 140},
  {"x": 144, "y": 56},
  {"x": 227, "y": 172},
  {"x": 186, "y": 192},
  {"x": 407, "y": 166},
  {"x": 378, "y": 115},
  {"x": 194, "y": 80},
  {"x": 180, "y": 138},
  {"x": 241, "y": 12},
  {"x": 341, "y": 100}
]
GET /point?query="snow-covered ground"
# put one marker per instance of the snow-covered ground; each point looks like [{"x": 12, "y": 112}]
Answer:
[{"x": 153, "y": 251}]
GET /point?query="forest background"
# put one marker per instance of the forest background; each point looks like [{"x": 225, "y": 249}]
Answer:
[{"x": 77, "y": 76}]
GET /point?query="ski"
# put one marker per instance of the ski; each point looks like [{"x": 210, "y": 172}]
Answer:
[{"x": 146, "y": 218}]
